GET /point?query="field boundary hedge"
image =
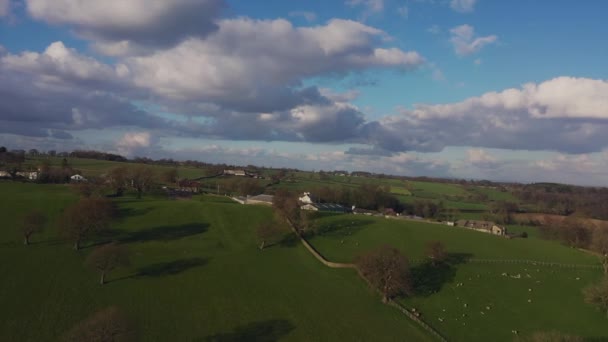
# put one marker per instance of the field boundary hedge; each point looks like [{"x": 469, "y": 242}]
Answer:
[{"x": 521, "y": 261}]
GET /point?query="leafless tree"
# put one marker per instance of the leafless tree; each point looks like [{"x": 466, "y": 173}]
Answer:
[
  {"x": 435, "y": 250},
  {"x": 33, "y": 222},
  {"x": 106, "y": 325},
  {"x": 269, "y": 233},
  {"x": 597, "y": 295},
  {"x": 169, "y": 176},
  {"x": 117, "y": 178},
  {"x": 108, "y": 257},
  {"x": 142, "y": 178},
  {"x": 599, "y": 243},
  {"x": 85, "y": 218},
  {"x": 387, "y": 270}
]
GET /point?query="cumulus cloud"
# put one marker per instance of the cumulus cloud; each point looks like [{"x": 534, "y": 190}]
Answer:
[
  {"x": 139, "y": 22},
  {"x": 58, "y": 90},
  {"x": 134, "y": 143},
  {"x": 463, "y": 6},
  {"x": 264, "y": 61},
  {"x": 466, "y": 43},
  {"x": 481, "y": 158},
  {"x": 563, "y": 114},
  {"x": 4, "y": 8}
]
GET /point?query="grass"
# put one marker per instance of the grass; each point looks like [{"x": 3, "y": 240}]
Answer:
[
  {"x": 93, "y": 167},
  {"x": 556, "y": 299},
  {"x": 196, "y": 275}
]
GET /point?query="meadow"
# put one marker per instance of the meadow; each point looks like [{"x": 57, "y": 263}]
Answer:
[
  {"x": 471, "y": 300},
  {"x": 196, "y": 275}
]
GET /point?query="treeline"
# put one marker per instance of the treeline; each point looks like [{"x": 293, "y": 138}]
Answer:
[
  {"x": 366, "y": 196},
  {"x": 566, "y": 200},
  {"x": 576, "y": 232}
]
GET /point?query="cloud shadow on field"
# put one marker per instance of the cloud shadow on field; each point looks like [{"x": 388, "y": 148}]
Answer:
[
  {"x": 171, "y": 268},
  {"x": 263, "y": 331},
  {"x": 165, "y": 233}
]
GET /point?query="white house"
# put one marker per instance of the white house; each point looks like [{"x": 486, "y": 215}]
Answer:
[
  {"x": 306, "y": 198},
  {"x": 78, "y": 178}
]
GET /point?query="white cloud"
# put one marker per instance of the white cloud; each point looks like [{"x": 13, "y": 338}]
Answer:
[
  {"x": 463, "y": 5},
  {"x": 563, "y": 114},
  {"x": 481, "y": 158},
  {"x": 140, "y": 22},
  {"x": 4, "y": 8},
  {"x": 59, "y": 62},
  {"x": 464, "y": 41},
  {"x": 133, "y": 143},
  {"x": 308, "y": 16},
  {"x": 264, "y": 61}
]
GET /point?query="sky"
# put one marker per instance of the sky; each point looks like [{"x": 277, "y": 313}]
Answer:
[{"x": 475, "y": 89}]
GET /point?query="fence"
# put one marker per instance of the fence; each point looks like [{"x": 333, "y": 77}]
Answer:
[{"x": 520, "y": 261}]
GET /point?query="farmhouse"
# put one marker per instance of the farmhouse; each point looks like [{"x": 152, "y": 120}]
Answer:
[
  {"x": 240, "y": 173},
  {"x": 4, "y": 174},
  {"x": 77, "y": 178},
  {"x": 186, "y": 185},
  {"x": 483, "y": 226}
]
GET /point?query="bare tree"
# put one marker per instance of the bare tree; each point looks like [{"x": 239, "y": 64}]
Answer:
[
  {"x": 33, "y": 222},
  {"x": 142, "y": 178},
  {"x": 85, "y": 218},
  {"x": 435, "y": 250},
  {"x": 108, "y": 257},
  {"x": 387, "y": 270},
  {"x": 169, "y": 176},
  {"x": 269, "y": 233},
  {"x": 597, "y": 295},
  {"x": 117, "y": 177},
  {"x": 106, "y": 325},
  {"x": 599, "y": 243}
]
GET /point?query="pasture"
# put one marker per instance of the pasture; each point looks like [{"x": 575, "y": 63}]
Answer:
[
  {"x": 477, "y": 300},
  {"x": 196, "y": 275}
]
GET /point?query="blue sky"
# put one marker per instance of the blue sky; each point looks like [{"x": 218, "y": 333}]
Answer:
[{"x": 503, "y": 90}]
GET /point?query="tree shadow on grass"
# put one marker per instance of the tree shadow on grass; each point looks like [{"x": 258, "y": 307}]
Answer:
[
  {"x": 264, "y": 331},
  {"x": 289, "y": 240},
  {"x": 164, "y": 233},
  {"x": 428, "y": 279},
  {"x": 124, "y": 213},
  {"x": 170, "y": 268},
  {"x": 342, "y": 227}
]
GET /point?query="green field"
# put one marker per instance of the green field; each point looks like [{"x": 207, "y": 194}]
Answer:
[
  {"x": 196, "y": 275},
  {"x": 93, "y": 167},
  {"x": 555, "y": 293}
]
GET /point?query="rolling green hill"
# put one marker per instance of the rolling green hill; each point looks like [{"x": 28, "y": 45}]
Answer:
[{"x": 196, "y": 275}]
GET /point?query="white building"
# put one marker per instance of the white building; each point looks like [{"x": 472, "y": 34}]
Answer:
[
  {"x": 78, "y": 178},
  {"x": 306, "y": 198}
]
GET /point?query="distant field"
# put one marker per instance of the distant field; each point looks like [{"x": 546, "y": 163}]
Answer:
[
  {"x": 196, "y": 275},
  {"x": 552, "y": 290},
  {"x": 93, "y": 167}
]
